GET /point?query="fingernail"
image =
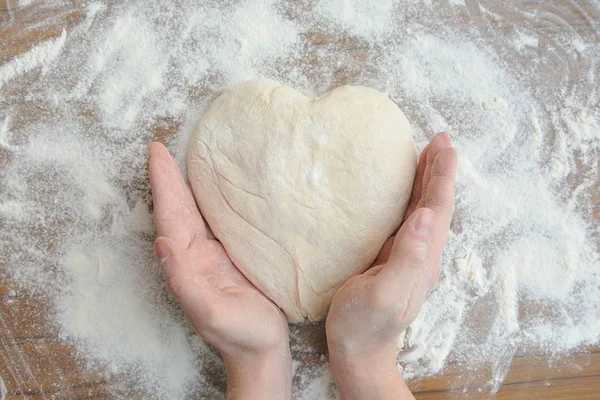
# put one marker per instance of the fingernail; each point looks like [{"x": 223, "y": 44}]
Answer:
[
  {"x": 423, "y": 222},
  {"x": 162, "y": 251}
]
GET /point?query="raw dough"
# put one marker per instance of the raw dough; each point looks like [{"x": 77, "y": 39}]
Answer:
[{"x": 302, "y": 193}]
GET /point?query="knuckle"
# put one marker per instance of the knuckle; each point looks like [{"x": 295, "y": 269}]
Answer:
[
  {"x": 383, "y": 300},
  {"x": 441, "y": 174},
  {"x": 440, "y": 202},
  {"x": 407, "y": 313},
  {"x": 441, "y": 183},
  {"x": 176, "y": 286},
  {"x": 418, "y": 252}
]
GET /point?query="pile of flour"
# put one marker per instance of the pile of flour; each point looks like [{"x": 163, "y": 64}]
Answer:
[{"x": 521, "y": 269}]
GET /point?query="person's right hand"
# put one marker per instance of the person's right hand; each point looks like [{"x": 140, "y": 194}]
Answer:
[{"x": 370, "y": 311}]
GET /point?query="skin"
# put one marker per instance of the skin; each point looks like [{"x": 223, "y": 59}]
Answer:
[{"x": 366, "y": 316}]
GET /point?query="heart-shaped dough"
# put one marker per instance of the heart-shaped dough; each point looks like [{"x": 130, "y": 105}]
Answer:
[{"x": 302, "y": 193}]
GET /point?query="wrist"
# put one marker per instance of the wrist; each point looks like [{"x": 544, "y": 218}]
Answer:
[
  {"x": 373, "y": 375},
  {"x": 264, "y": 374},
  {"x": 360, "y": 359}
]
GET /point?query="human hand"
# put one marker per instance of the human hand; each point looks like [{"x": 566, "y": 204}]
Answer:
[
  {"x": 222, "y": 306},
  {"x": 370, "y": 311}
]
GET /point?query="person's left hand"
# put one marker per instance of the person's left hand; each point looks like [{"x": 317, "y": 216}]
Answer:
[{"x": 223, "y": 307}]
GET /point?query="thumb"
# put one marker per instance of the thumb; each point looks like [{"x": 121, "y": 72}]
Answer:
[
  {"x": 173, "y": 260},
  {"x": 409, "y": 273}
]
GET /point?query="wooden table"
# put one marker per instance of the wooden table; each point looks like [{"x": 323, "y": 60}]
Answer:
[{"x": 36, "y": 364}]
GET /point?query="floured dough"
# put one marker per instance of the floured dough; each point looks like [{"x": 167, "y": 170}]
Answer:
[{"x": 302, "y": 193}]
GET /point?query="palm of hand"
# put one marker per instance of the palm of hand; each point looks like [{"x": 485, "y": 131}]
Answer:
[{"x": 220, "y": 303}]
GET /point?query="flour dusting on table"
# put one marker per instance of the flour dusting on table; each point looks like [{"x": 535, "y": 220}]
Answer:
[
  {"x": 39, "y": 56},
  {"x": 3, "y": 390},
  {"x": 521, "y": 270}
]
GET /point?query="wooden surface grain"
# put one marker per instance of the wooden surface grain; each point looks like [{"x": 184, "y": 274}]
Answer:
[{"x": 35, "y": 363}]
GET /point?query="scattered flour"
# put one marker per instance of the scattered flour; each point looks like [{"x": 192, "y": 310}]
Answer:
[
  {"x": 520, "y": 271},
  {"x": 470, "y": 269},
  {"x": 3, "y": 391},
  {"x": 318, "y": 385},
  {"x": 38, "y": 56},
  {"x": 366, "y": 19}
]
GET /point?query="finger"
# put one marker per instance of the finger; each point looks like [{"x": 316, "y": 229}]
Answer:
[
  {"x": 157, "y": 149},
  {"x": 438, "y": 143},
  {"x": 166, "y": 196},
  {"x": 411, "y": 245},
  {"x": 384, "y": 253},
  {"x": 176, "y": 215},
  {"x": 374, "y": 270},
  {"x": 198, "y": 298},
  {"x": 176, "y": 166},
  {"x": 408, "y": 274},
  {"x": 200, "y": 227},
  {"x": 415, "y": 195},
  {"x": 188, "y": 195},
  {"x": 440, "y": 195},
  {"x": 439, "y": 201}
]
